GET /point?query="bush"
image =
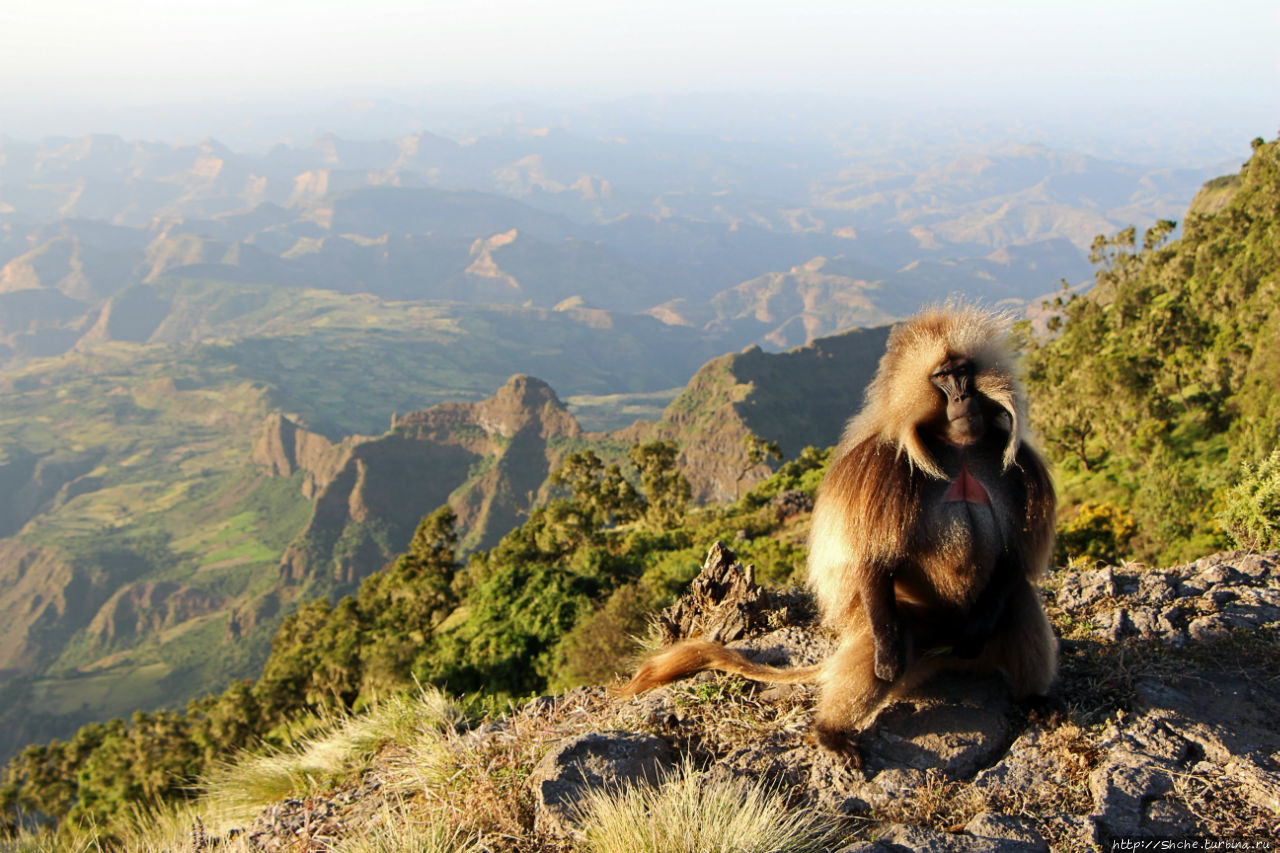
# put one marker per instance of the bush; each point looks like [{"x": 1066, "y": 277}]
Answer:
[
  {"x": 1097, "y": 532},
  {"x": 1252, "y": 514},
  {"x": 603, "y": 645}
]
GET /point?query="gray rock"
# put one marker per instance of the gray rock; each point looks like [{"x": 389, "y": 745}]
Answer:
[
  {"x": 656, "y": 707},
  {"x": 588, "y": 762},
  {"x": 1218, "y": 573},
  {"x": 790, "y": 646},
  {"x": 922, "y": 840},
  {"x": 1214, "y": 725},
  {"x": 1211, "y": 627},
  {"x": 1023, "y": 767},
  {"x": 1188, "y": 590},
  {"x": 1168, "y": 627},
  {"x": 1069, "y": 831},
  {"x": 891, "y": 786},
  {"x": 1117, "y": 623},
  {"x": 833, "y": 785},
  {"x": 1164, "y": 818},
  {"x": 956, "y": 724},
  {"x": 775, "y": 767},
  {"x": 1007, "y": 828},
  {"x": 1258, "y": 566},
  {"x": 1156, "y": 587},
  {"x": 1144, "y": 622},
  {"x": 1220, "y": 597},
  {"x": 1121, "y": 789},
  {"x": 1093, "y": 586}
]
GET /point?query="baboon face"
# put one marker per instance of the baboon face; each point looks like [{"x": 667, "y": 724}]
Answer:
[{"x": 960, "y": 418}]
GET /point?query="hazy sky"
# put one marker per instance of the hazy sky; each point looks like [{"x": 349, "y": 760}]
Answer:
[{"x": 176, "y": 49}]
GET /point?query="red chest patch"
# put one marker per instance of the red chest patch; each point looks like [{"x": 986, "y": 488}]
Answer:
[{"x": 965, "y": 488}]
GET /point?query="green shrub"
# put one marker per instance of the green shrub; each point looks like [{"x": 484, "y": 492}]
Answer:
[
  {"x": 1097, "y": 532},
  {"x": 1252, "y": 514},
  {"x": 603, "y": 645}
]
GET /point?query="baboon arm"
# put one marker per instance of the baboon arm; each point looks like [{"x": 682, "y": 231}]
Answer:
[
  {"x": 882, "y": 617},
  {"x": 1039, "y": 514}
]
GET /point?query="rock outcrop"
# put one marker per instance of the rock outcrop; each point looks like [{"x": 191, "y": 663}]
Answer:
[
  {"x": 1161, "y": 725},
  {"x": 724, "y": 602},
  {"x": 148, "y": 607},
  {"x": 490, "y": 459},
  {"x": 592, "y": 761},
  {"x": 283, "y": 447}
]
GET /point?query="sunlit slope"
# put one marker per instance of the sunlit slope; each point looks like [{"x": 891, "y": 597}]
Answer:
[{"x": 143, "y": 544}]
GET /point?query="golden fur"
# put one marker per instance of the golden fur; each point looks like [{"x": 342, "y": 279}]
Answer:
[
  {"x": 900, "y": 396},
  {"x": 912, "y": 577}
]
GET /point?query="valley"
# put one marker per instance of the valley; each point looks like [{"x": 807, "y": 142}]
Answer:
[{"x": 231, "y": 381}]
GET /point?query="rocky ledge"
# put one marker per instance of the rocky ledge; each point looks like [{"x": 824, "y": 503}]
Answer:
[{"x": 1163, "y": 723}]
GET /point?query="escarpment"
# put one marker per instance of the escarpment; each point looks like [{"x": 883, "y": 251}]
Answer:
[{"x": 486, "y": 459}]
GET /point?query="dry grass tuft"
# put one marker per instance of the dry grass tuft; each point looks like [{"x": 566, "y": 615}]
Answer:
[
  {"x": 937, "y": 803},
  {"x": 399, "y": 829},
  {"x": 170, "y": 828},
  {"x": 1222, "y": 807},
  {"x": 470, "y": 782},
  {"x": 690, "y": 812},
  {"x": 235, "y": 790},
  {"x": 46, "y": 842}
]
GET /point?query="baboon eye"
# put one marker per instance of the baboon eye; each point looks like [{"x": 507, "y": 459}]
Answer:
[{"x": 962, "y": 369}]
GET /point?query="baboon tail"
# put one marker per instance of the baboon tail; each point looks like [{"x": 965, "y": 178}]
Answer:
[{"x": 691, "y": 656}]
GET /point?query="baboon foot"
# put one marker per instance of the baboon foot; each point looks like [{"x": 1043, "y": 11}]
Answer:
[
  {"x": 1047, "y": 708},
  {"x": 842, "y": 742}
]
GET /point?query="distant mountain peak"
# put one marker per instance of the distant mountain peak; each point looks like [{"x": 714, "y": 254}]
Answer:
[{"x": 480, "y": 457}]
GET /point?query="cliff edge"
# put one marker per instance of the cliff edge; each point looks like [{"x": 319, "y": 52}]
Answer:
[{"x": 1161, "y": 725}]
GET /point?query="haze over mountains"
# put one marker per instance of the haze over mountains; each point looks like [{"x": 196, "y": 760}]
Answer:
[
  {"x": 231, "y": 379},
  {"x": 755, "y": 242}
]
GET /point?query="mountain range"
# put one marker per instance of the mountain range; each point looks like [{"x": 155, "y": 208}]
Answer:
[
  {"x": 230, "y": 381},
  {"x": 538, "y": 216}
]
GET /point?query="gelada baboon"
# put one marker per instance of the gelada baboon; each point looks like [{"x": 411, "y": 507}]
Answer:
[{"x": 931, "y": 525}]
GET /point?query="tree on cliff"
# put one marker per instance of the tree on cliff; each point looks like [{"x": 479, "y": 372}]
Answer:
[{"x": 1156, "y": 386}]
